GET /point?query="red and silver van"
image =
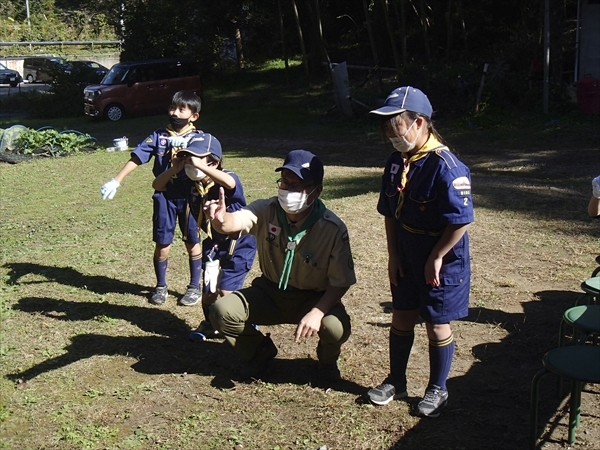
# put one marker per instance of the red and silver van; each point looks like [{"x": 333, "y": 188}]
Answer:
[{"x": 140, "y": 87}]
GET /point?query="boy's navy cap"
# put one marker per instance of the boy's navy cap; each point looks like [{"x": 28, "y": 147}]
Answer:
[
  {"x": 405, "y": 98},
  {"x": 203, "y": 145},
  {"x": 304, "y": 164}
]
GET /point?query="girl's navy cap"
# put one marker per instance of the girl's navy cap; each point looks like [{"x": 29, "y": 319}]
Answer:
[{"x": 405, "y": 98}]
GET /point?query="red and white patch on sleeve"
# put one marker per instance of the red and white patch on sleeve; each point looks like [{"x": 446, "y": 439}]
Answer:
[{"x": 461, "y": 183}]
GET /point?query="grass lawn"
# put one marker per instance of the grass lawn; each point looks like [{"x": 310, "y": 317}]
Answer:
[{"x": 87, "y": 363}]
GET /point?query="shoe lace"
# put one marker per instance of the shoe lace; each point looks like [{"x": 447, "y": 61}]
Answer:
[
  {"x": 432, "y": 395},
  {"x": 383, "y": 386}
]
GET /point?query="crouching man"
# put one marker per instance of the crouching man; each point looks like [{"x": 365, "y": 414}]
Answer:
[{"x": 306, "y": 264}]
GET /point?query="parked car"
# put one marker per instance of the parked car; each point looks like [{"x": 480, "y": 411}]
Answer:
[
  {"x": 87, "y": 72},
  {"x": 43, "y": 68},
  {"x": 9, "y": 76},
  {"x": 140, "y": 87}
]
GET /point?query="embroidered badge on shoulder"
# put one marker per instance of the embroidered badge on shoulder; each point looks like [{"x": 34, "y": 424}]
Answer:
[
  {"x": 148, "y": 139},
  {"x": 394, "y": 169},
  {"x": 461, "y": 183}
]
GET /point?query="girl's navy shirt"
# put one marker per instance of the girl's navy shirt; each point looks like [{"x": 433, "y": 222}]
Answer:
[{"x": 438, "y": 192}]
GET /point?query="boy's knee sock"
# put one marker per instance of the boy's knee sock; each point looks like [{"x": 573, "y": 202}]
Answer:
[
  {"x": 440, "y": 360},
  {"x": 206, "y": 311},
  {"x": 401, "y": 343},
  {"x": 195, "y": 269},
  {"x": 160, "y": 269}
]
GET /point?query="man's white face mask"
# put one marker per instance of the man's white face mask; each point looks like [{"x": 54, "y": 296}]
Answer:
[
  {"x": 293, "y": 202},
  {"x": 194, "y": 173}
]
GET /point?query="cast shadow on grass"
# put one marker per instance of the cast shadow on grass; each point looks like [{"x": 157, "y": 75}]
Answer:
[
  {"x": 150, "y": 319},
  {"x": 170, "y": 353},
  {"x": 69, "y": 276},
  {"x": 489, "y": 405}
]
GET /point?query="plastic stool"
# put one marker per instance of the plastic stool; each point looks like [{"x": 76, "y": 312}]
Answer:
[
  {"x": 591, "y": 287},
  {"x": 597, "y": 269},
  {"x": 579, "y": 363},
  {"x": 584, "y": 318}
]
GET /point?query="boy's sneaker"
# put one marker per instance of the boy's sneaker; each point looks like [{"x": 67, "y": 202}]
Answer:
[
  {"x": 263, "y": 355},
  {"x": 385, "y": 393},
  {"x": 434, "y": 402},
  {"x": 159, "y": 296},
  {"x": 191, "y": 297},
  {"x": 204, "y": 331}
]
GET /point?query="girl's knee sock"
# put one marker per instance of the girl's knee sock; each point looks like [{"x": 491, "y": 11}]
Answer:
[
  {"x": 401, "y": 343},
  {"x": 440, "y": 360}
]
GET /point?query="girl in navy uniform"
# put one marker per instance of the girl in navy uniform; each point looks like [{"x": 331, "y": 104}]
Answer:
[
  {"x": 425, "y": 199},
  {"x": 170, "y": 204},
  {"x": 226, "y": 261}
]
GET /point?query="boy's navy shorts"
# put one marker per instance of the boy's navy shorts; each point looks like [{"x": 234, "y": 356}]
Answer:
[
  {"x": 444, "y": 303},
  {"x": 167, "y": 212},
  {"x": 234, "y": 268}
]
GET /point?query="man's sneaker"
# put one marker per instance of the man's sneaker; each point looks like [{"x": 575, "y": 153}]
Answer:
[
  {"x": 263, "y": 355},
  {"x": 159, "y": 296},
  {"x": 329, "y": 372},
  {"x": 434, "y": 402},
  {"x": 204, "y": 331},
  {"x": 385, "y": 393},
  {"x": 191, "y": 297}
]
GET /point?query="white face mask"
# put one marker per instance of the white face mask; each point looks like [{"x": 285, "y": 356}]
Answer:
[
  {"x": 401, "y": 144},
  {"x": 293, "y": 202},
  {"x": 194, "y": 173}
]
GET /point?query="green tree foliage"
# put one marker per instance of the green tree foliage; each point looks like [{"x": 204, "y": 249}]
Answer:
[{"x": 428, "y": 43}]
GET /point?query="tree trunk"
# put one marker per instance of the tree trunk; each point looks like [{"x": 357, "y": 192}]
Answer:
[
  {"x": 370, "y": 31},
  {"x": 401, "y": 20},
  {"x": 449, "y": 30},
  {"x": 240, "y": 49},
  {"x": 302, "y": 48},
  {"x": 283, "y": 49},
  {"x": 425, "y": 28},
  {"x": 388, "y": 25}
]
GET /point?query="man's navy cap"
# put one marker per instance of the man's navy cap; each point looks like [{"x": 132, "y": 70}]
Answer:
[
  {"x": 405, "y": 98},
  {"x": 203, "y": 145},
  {"x": 304, "y": 164}
]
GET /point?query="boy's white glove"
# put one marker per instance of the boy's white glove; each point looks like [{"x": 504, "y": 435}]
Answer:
[
  {"x": 109, "y": 189},
  {"x": 596, "y": 187},
  {"x": 211, "y": 275},
  {"x": 177, "y": 141}
]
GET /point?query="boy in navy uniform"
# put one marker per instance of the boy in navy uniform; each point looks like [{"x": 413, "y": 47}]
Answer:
[
  {"x": 170, "y": 205},
  {"x": 426, "y": 201},
  {"x": 226, "y": 261}
]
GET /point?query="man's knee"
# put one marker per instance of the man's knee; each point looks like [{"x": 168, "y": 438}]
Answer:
[
  {"x": 335, "y": 328},
  {"x": 226, "y": 310}
]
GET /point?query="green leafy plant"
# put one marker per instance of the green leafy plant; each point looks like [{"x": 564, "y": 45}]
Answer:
[{"x": 54, "y": 143}]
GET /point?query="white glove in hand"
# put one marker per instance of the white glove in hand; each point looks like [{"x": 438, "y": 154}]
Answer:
[
  {"x": 211, "y": 275},
  {"x": 109, "y": 189},
  {"x": 596, "y": 187},
  {"x": 177, "y": 141}
]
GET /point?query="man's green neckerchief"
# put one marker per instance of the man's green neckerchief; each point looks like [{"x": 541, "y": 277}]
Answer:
[{"x": 316, "y": 213}]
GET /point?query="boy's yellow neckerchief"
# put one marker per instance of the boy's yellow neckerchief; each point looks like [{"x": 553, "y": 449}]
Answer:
[{"x": 203, "y": 221}]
